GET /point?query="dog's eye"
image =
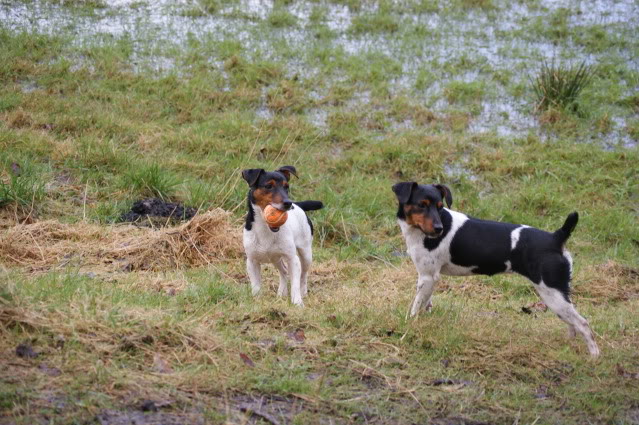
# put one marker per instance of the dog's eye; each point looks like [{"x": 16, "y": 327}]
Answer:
[
  {"x": 440, "y": 205},
  {"x": 269, "y": 186}
]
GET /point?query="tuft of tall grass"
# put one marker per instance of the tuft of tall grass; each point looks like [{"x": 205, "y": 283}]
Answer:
[
  {"x": 559, "y": 85},
  {"x": 152, "y": 180},
  {"x": 25, "y": 187},
  {"x": 23, "y": 191}
]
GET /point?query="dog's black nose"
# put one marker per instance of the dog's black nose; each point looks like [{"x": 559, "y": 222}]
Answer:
[
  {"x": 438, "y": 228},
  {"x": 287, "y": 204}
]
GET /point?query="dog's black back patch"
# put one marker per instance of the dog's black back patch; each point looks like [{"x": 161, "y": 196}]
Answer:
[
  {"x": 539, "y": 257},
  {"x": 482, "y": 245}
]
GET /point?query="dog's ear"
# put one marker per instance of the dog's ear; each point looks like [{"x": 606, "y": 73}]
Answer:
[
  {"x": 287, "y": 170},
  {"x": 446, "y": 194},
  {"x": 252, "y": 176},
  {"x": 403, "y": 191}
]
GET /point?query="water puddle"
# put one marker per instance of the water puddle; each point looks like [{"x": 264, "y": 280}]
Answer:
[{"x": 480, "y": 46}]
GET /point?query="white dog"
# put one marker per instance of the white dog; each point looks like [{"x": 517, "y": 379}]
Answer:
[{"x": 288, "y": 247}]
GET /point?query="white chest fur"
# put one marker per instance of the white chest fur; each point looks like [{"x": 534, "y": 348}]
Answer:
[
  {"x": 289, "y": 249},
  {"x": 264, "y": 245},
  {"x": 432, "y": 262}
]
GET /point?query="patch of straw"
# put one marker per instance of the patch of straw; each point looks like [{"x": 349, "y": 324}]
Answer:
[
  {"x": 46, "y": 245},
  {"x": 611, "y": 281}
]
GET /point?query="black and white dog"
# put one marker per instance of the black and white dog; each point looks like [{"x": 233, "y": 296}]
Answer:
[
  {"x": 441, "y": 240},
  {"x": 288, "y": 247}
]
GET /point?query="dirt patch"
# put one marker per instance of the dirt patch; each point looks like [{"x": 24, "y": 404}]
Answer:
[
  {"x": 272, "y": 409},
  {"x": 128, "y": 417},
  {"x": 457, "y": 421},
  {"x": 611, "y": 281},
  {"x": 154, "y": 212},
  {"x": 47, "y": 245},
  {"x": 240, "y": 408}
]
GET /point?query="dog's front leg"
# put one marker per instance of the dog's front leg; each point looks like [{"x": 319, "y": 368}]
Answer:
[
  {"x": 425, "y": 287},
  {"x": 282, "y": 291},
  {"x": 294, "y": 271},
  {"x": 254, "y": 271}
]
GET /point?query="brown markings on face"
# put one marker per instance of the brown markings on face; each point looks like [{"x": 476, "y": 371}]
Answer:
[
  {"x": 265, "y": 195},
  {"x": 440, "y": 204},
  {"x": 417, "y": 218}
]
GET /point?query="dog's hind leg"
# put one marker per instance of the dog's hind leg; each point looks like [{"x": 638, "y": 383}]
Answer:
[
  {"x": 425, "y": 287},
  {"x": 562, "y": 307},
  {"x": 282, "y": 291},
  {"x": 306, "y": 258}
]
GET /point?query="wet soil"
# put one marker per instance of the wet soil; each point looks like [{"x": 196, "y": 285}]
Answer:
[{"x": 124, "y": 417}]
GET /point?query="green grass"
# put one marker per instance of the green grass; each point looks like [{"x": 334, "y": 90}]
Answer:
[
  {"x": 25, "y": 186},
  {"x": 461, "y": 92},
  {"x": 559, "y": 85},
  {"x": 149, "y": 180},
  {"x": 281, "y": 18},
  {"x": 375, "y": 22},
  {"x": 93, "y": 127}
]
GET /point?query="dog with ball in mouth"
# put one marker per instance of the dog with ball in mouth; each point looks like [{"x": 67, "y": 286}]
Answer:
[{"x": 278, "y": 231}]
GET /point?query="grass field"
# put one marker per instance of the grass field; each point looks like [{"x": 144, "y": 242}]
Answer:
[{"x": 104, "y": 102}]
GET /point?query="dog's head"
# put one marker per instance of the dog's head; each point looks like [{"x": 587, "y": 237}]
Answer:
[
  {"x": 270, "y": 187},
  {"x": 421, "y": 205}
]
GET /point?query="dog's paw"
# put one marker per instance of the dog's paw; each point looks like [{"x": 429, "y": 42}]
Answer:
[
  {"x": 428, "y": 307},
  {"x": 282, "y": 291}
]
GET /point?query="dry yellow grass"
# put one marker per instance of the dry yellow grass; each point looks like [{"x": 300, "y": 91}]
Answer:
[
  {"x": 46, "y": 245},
  {"x": 611, "y": 281}
]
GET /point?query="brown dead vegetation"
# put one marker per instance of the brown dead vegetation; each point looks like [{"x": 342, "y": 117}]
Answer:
[
  {"x": 46, "y": 245},
  {"x": 14, "y": 214},
  {"x": 611, "y": 281}
]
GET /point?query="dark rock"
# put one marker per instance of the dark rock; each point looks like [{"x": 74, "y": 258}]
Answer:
[
  {"x": 25, "y": 351},
  {"x": 146, "y": 209},
  {"x": 440, "y": 382},
  {"x": 148, "y": 406}
]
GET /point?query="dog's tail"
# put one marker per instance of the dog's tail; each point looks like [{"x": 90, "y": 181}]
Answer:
[
  {"x": 310, "y": 205},
  {"x": 563, "y": 234}
]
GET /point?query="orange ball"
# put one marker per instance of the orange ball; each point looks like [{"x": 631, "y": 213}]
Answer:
[{"x": 274, "y": 217}]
